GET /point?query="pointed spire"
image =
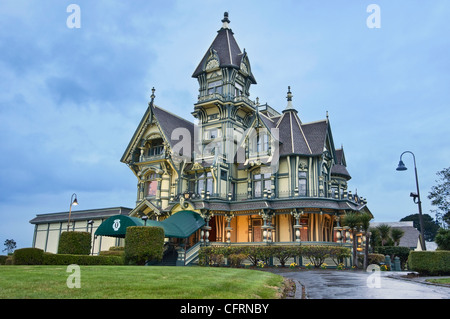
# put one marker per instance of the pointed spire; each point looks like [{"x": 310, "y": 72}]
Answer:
[
  {"x": 225, "y": 21},
  {"x": 289, "y": 96}
]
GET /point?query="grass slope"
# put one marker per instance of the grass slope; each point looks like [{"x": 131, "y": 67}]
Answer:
[{"x": 133, "y": 282}]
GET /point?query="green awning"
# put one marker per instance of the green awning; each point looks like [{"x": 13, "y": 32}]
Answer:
[
  {"x": 116, "y": 226},
  {"x": 180, "y": 225}
]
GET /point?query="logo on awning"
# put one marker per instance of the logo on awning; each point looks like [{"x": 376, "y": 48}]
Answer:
[{"x": 116, "y": 224}]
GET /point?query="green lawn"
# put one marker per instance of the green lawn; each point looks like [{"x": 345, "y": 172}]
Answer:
[
  {"x": 132, "y": 282},
  {"x": 444, "y": 281}
]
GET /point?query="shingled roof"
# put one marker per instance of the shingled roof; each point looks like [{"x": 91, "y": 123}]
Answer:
[{"x": 226, "y": 49}]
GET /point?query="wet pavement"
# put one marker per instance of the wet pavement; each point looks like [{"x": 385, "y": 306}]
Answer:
[{"x": 335, "y": 284}]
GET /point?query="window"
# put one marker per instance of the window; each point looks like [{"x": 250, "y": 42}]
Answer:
[
  {"x": 261, "y": 182},
  {"x": 325, "y": 178},
  {"x": 156, "y": 147},
  {"x": 152, "y": 185},
  {"x": 302, "y": 183},
  {"x": 155, "y": 150},
  {"x": 238, "y": 90},
  {"x": 213, "y": 133},
  {"x": 205, "y": 183},
  {"x": 215, "y": 87},
  {"x": 259, "y": 143}
]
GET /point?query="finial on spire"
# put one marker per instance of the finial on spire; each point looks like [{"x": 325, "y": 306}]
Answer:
[
  {"x": 289, "y": 94},
  {"x": 289, "y": 107},
  {"x": 153, "y": 95},
  {"x": 225, "y": 20}
]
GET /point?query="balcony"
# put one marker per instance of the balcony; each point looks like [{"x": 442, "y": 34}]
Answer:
[{"x": 152, "y": 158}]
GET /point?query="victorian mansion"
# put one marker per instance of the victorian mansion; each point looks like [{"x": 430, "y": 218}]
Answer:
[{"x": 253, "y": 174}]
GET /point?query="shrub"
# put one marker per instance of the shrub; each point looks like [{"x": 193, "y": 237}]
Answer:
[
  {"x": 63, "y": 259},
  {"x": 443, "y": 239},
  {"x": 283, "y": 253},
  {"x": 375, "y": 259},
  {"x": 144, "y": 244},
  {"x": 236, "y": 259},
  {"x": 316, "y": 254},
  {"x": 3, "y": 259},
  {"x": 394, "y": 251},
  {"x": 430, "y": 262},
  {"x": 28, "y": 256},
  {"x": 75, "y": 243}
]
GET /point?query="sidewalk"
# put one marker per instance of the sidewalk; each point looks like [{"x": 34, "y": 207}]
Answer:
[{"x": 348, "y": 284}]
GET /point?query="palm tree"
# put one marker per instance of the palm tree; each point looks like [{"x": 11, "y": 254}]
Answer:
[
  {"x": 396, "y": 235},
  {"x": 352, "y": 221},
  {"x": 365, "y": 225},
  {"x": 384, "y": 232}
]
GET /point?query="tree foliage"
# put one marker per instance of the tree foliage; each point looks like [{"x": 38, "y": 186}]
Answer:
[
  {"x": 10, "y": 245},
  {"x": 429, "y": 224},
  {"x": 440, "y": 194}
]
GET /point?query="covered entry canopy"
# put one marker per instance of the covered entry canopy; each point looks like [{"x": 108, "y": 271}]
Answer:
[{"x": 180, "y": 225}]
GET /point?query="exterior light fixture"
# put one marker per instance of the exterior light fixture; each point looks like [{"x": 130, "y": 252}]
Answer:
[
  {"x": 416, "y": 196},
  {"x": 73, "y": 201},
  {"x": 144, "y": 218}
]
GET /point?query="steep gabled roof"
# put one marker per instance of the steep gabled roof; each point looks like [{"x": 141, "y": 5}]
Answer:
[
  {"x": 226, "y": 49},
  {"x": 166, "y": 122},
  {"x": 292, "y": 136},
  {"x": 316, "y": 134}
]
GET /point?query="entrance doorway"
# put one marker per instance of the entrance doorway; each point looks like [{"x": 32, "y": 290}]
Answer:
[{"x": 257, "y": 230}]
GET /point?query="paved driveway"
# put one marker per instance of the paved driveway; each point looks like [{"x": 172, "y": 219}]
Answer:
[{"x": 334, "y": 284}]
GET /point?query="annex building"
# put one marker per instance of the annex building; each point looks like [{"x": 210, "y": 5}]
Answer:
[{"x": 239, "y": 172}]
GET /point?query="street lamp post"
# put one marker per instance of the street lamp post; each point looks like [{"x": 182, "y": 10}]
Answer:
[
  {"x": 402, "y": 167},
  {"x": 73, "y": 201}
]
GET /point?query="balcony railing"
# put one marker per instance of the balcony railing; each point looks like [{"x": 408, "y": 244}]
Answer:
[
  {"x": 149, "y": 158},
  {"x": 265, "y": 195}
]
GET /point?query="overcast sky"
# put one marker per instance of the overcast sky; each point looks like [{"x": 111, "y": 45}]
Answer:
[{"x": 71, "y": 98}]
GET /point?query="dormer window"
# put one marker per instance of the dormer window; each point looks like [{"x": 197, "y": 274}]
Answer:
[
  {"x": 259, "y": 143},
  {"x": 215, "y": 87}
]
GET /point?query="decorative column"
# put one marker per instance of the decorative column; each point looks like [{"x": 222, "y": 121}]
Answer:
[
  {"x": 296, "y": 214},
  {"x": 204, "y": 234},
  {"x": 266, "y": 216},
  {"x": 228, "y": 228}
]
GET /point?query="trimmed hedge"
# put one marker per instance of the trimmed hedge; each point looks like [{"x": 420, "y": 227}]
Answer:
[
  {"x": 3, "y": 259},
  {"x": 430, "y": 262},
  {"x": 144, "y": 244},
  {"x": 36, "y": 256},
  {"x": 75, "y": 243},
  {"x": 28, "y": 256},
  {"x": 316, "y": 254},
  {"x": 62, "y": 259}
]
